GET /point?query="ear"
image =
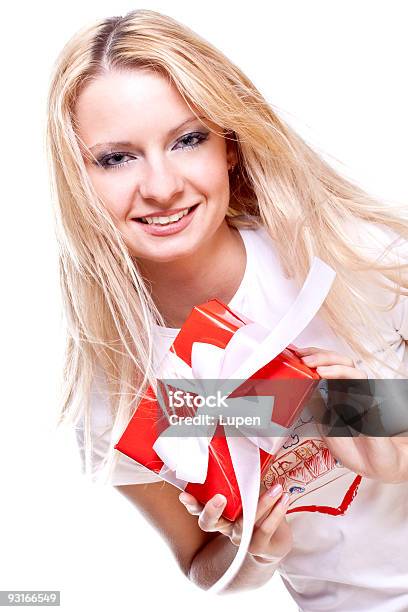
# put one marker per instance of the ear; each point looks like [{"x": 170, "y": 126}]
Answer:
[{"x": 232, "y": 156}]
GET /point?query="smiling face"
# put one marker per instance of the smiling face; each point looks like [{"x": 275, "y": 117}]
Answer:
[{"x": 154, "y": 157}]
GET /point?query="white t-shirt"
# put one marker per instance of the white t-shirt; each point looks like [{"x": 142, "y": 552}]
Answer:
[{"x": 347, "y": 562}]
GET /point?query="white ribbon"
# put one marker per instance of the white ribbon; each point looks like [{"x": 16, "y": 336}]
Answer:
[{"x": 250, "y": 348}]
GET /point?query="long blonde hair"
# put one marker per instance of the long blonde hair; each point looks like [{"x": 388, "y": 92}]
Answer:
[{"x": 306, "y": 207}]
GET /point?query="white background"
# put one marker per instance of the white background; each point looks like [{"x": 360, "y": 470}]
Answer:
[{"x": 335, "y": 70}]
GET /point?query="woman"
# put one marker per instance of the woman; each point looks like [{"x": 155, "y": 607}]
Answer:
[{"x": 175, "y": 182}]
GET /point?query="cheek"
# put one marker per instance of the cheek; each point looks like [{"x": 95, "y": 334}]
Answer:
[
  {"x": 219, "y": 187},
  {"x": 114, "y": 192},
  {"x": 210, "y": 173}
]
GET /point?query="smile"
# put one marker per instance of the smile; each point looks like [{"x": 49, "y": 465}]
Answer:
[
  {"x": 165, "y": 220},
  {"x": 171, "y": 224}
]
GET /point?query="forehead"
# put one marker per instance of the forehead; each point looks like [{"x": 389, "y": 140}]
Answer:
[{"x": 137, "y": 100}]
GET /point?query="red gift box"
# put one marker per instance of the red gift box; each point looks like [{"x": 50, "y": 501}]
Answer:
[{"x": 215, "y": 323}]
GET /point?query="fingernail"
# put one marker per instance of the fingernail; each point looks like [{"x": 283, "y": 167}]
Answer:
[
  {"x": 183, "y": 498},
  {"x": 284, "y": 499},
  {"x": 308, "y": 360},
  {"x": 275, "y": 490},
  {"x": 219, "y": 500}
]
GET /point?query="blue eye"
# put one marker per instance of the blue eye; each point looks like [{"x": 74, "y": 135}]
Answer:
[
  {"x": 194, "y": 135},
  {"x": 187, "y": 140},
  {"x": 105, "y": 161}
]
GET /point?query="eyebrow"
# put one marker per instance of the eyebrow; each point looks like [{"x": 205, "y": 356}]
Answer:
[{"x": 128, "y": 143}]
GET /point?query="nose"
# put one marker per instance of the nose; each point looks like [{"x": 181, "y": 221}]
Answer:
[{"x": 161, "y": 183}]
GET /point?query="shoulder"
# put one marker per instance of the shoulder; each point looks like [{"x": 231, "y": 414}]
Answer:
[{"x": 376, "y": 243}]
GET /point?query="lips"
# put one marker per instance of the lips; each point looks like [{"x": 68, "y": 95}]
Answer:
[
  {"x": 164, "y": 214},
  {"x": 167, "y": 229}
]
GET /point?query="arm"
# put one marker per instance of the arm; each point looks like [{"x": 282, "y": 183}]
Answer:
[{"x": 203, "y": 555}]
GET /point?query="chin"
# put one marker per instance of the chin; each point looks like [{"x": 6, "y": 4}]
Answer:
[{"x": 163, "y": 256}]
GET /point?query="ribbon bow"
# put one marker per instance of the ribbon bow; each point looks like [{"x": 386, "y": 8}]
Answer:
[{"x": 251, "y": 347}]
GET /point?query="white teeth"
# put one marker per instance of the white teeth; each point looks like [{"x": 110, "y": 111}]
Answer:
[{"x": 166, "y": 220}]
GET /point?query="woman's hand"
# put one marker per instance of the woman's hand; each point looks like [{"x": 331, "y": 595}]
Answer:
[
  {"x": 383, "y": 458},
  {"x": 271, "y": 537},
  {"x": 329, "y": 364}
]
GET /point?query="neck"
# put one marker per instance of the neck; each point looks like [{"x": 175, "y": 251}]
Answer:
[{"x": 214, "y": 271}]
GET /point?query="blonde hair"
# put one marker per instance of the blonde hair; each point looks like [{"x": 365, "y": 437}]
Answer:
[{"x": 306, "y": 207}]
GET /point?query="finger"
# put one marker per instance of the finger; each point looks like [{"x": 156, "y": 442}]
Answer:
[
  {"x": 190, "y": 502},
  {"x": 267, "y": 527},
  {"x": 265, "y": 504},
  {"x": 225, "y": 526},
  {"x": 307, "y": 350},
  {"x": 280, "y": 543},
  {"x": 340, "y": 371},
  {"x": 267, "y": 501},
  {"x": 274, "y": 517},
  {"x": 293, "y": 348},
  {"x": 327, "y": 358},
  {"x": 195, "y": 508},
  {"x": 210, "y": 515},
  {"x": 280, "y": 502}
]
